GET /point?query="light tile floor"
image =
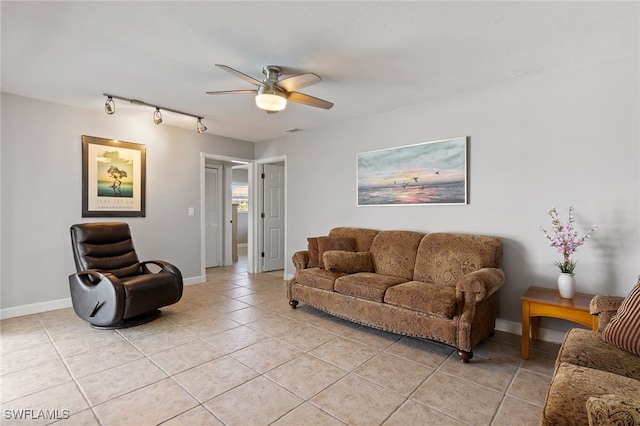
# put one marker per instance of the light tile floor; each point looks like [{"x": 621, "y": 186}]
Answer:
[{"x": 233, "y": 352}]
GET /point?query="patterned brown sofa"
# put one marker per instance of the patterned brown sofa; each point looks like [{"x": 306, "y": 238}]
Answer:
[
  {"x": 438, "y": 286},
  {"x": 596, "y": 382}
]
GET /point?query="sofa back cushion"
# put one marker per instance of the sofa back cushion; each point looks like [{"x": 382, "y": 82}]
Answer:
[
  {"x": 362, "y": 236},
  {"x": 444, "y": 257},
  {"x": 394, "y": 252},
  {"x": 314, "y": 254}
]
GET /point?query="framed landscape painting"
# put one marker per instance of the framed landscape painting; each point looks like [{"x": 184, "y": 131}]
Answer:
[
  {"x": 113, "y": 178},
  {"x": 422, "y": 174}
]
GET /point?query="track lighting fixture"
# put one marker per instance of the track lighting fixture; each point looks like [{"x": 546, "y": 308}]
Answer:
[
  {"x": 110, "y": 108},
  {"x": 157, "y": 116},
  {"x": 200, "y": 127}
]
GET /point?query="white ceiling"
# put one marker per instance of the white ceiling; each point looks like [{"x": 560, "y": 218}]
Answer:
[{"x": 373, "y": 56}]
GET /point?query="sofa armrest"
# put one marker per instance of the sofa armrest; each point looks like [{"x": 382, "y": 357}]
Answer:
[
  {"x": 479, "y": 285},
  {"x": 605, "y": 307},
  {"x": 300, "y": 260},
  {"x": 612, "y": 410}
]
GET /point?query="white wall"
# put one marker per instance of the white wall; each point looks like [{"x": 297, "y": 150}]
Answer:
[
  {"x": 543, "y": 141},
  {"x": 41, "y": 193}
]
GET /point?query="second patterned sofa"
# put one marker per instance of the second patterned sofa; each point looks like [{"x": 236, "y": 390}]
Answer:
[{"x": 597, "y": 374}]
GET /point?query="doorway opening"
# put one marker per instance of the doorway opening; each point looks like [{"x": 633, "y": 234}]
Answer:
[
  {"x": 265, "y": 205},
  {"x": 221, "y": 222}
]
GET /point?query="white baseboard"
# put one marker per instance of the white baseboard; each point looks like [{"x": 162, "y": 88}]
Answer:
[
  {"x": 52, "y": 305},
  {"x": 512, "y": 327},
  {"x": 194, "y": 280},
  {"x": 35, "y": 308},
  {"x": 544, "y": 334}
]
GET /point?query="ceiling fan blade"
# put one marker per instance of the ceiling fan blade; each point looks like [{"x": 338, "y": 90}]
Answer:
[
  {"x": 238, "y": 74},
  {"x": 301, "y": 98},
  {"x": 298, "y": 81},
  {"x": 231, "y": 92}
]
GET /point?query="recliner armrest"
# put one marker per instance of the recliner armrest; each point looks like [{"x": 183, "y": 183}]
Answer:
[
  {"x": 165, "y": 267},
  {"x": 93, "y": 277},
  {"x": 98, "y": 297},
  {"x": 480, "y": 284}
]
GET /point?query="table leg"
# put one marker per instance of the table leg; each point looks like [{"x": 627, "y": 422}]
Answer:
[
  {"x": 534, "y": 328},
  {"x": 525, "y": 329}
]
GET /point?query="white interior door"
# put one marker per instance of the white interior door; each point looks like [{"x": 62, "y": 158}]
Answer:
[
  {"x": 213, "y": 216},
  {"x": 273, "y": 210}
]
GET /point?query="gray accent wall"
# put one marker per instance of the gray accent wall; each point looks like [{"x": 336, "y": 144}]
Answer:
[
  {"x": 571, "y": 138},
  {"x": 41, "y": 193}
]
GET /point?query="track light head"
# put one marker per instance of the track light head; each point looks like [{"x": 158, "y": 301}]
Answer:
[
  {"x": 109, "y": 106},
  {"x": 200, "y": 126},
  {"x": 157, "y": 116}
]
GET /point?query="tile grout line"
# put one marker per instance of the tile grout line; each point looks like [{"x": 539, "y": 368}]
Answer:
[{"x": 73, "y": 378}]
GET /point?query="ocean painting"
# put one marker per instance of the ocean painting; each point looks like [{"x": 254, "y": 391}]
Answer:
[{"x": 426, "y": 173}]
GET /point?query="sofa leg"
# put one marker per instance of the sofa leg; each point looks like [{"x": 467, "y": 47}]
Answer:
[
  {"x": 464, "y": 355},
  {"x": 293, "y": 303}
]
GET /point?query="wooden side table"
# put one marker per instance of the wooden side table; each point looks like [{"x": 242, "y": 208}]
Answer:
[{"x": 546, "y": 302}]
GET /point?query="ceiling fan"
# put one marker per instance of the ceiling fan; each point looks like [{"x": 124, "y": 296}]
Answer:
[{"x": 272, "y": 94}]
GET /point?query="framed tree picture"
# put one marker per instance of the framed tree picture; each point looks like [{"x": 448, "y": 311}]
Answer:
[
  {"x": 113, "y": 178},
  {"x": 429, "y": 173}
]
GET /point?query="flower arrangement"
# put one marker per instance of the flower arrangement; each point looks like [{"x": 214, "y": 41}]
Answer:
[{"x": 565, "y": 239}]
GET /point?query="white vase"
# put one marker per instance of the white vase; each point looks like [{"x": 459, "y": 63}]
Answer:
[{"x": 567, "y": 285}]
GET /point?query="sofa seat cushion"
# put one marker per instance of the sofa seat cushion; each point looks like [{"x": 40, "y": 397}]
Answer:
[
  {"x": 366, "y": 285},
  {"x": 430, "y": 298},
  {"x": 586, "y": 348},
  {"x": 573, "y": 385},
  {"x": 318, "y": 278}
]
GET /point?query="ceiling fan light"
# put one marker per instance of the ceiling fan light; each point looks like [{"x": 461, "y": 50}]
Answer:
[
  {"x": 271, "y": 102},
  {"x": 157, "y": 116}
]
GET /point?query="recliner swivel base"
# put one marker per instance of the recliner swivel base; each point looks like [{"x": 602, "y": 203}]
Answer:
[{"x": 130, "y": 322}]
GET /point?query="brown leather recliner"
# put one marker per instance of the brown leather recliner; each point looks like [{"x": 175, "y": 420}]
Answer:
[{"x": 112, "y": 288}]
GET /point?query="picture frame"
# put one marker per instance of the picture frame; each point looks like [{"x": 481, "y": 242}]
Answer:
[
  {"x": 429, "y": 173},
  {"x": 113, "y": 178}
]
